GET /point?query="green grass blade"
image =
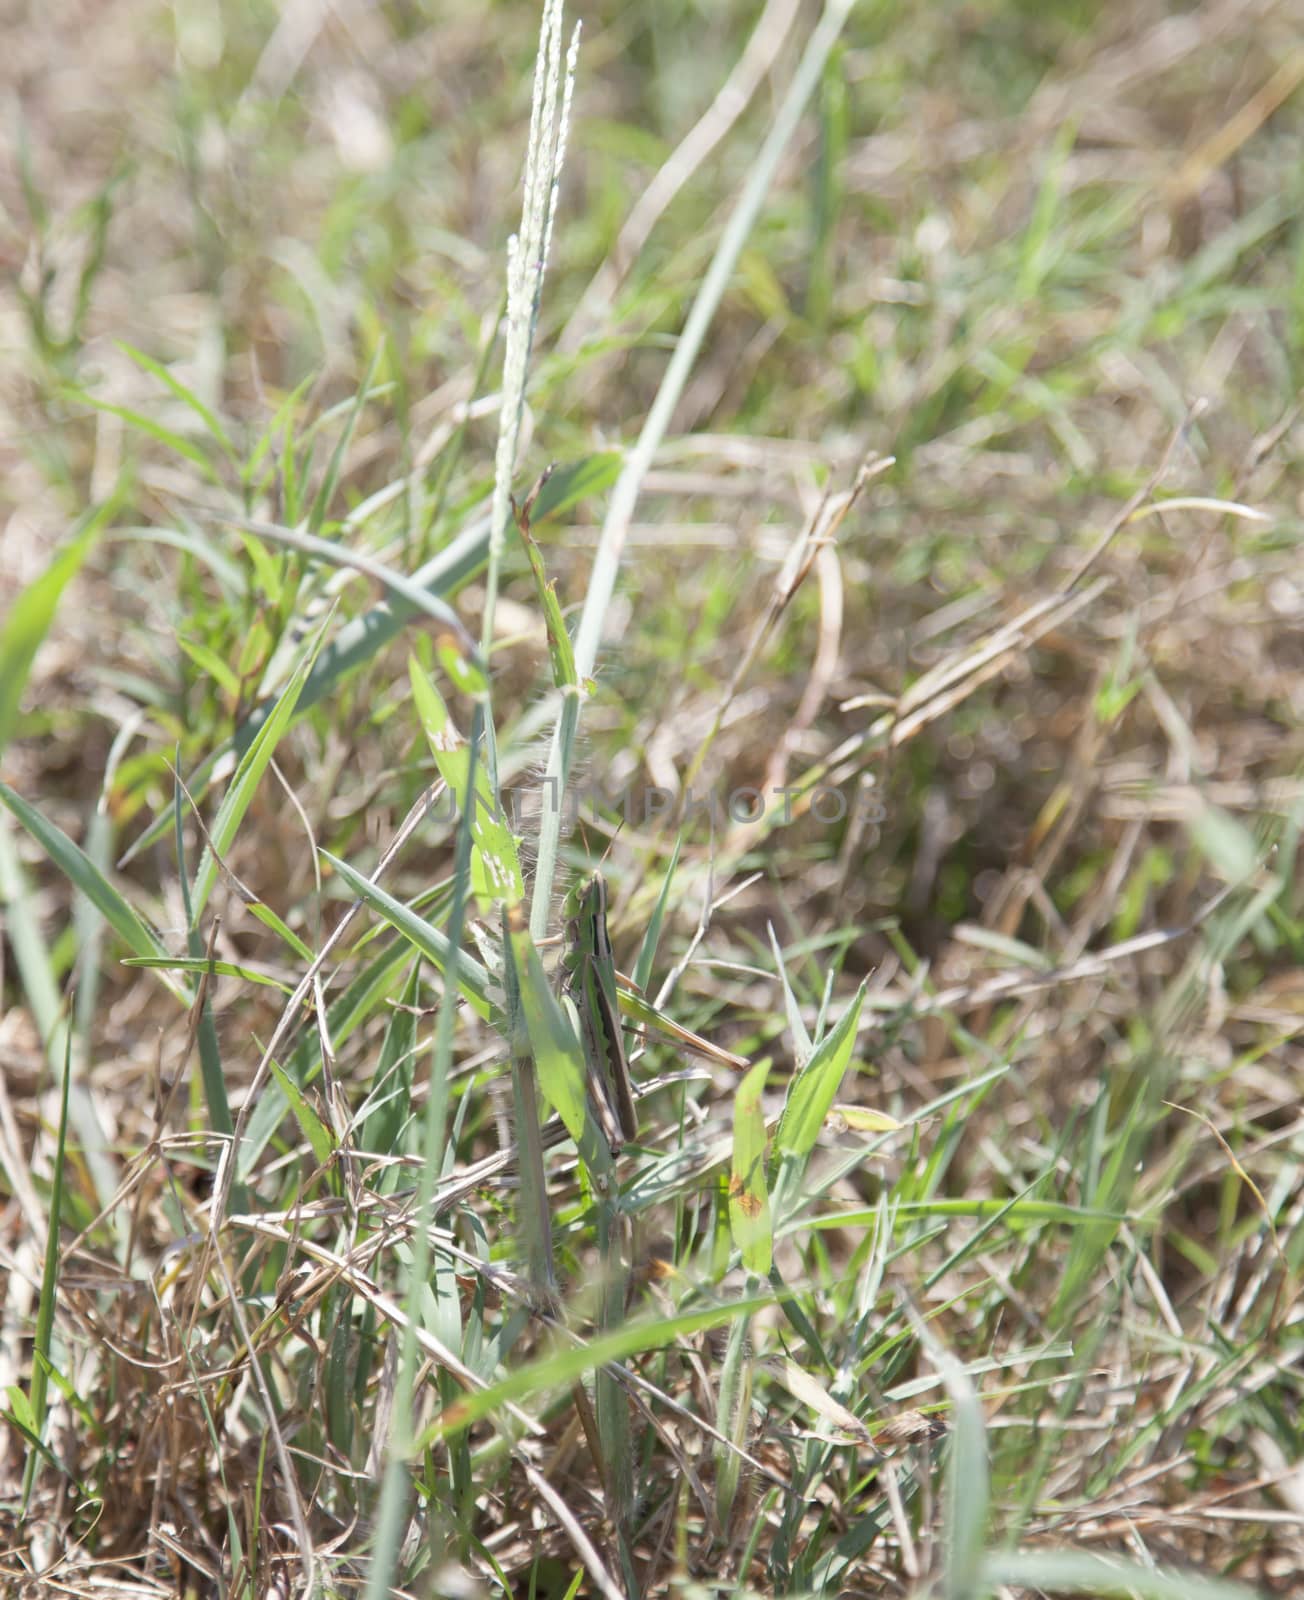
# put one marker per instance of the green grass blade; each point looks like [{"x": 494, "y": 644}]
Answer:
[
  {"x": 1030, "y": 1213},
  {"x": 217, "y": 667},
  {"x": 319, "y": 1136},
  {"x": 193, "y": 542},
  {"x": 43, "y": 1332},
  {"x": 564, "y": 1366},
  {"x": 387, "y": 1103},
  {"x": 732, "y": 1417},
  {"x": 495, "y": 864},
  {"x": 168, "y": 437},
  {"x": 186, "y": 396},
  {"x": 1106, "y": 1197},
  {"x": 262, "y": 912},
  {"x": 356, "y": 643},
  {"x": 967, "y": 1488},
  {"x": 803, "y": 1046},
  {"x": 211, "y": 1070},
  {"x": 417, "y": 1293},
  {"x": 331, "y": 477},
  {"x": 410, "y": 591},
  {"x": 36, "y": 970},
  {"x": 558, "y": 1054},
  {"x": 472, "y": 977},
  {"x": 561, "y": 655},
  {"x": 359, "y": 641},
  {"x": 581, "y": 480},
  {"x": 82, "y": 872},
  {"x": 1078, "y": 1573},
  {"x": 749, "y": 1200},
  {"x": 198, "y": 964},
  {"x": 240, "y": 792},
  {"x": 814, "y": 1089},
  {"x": 647, "y": 950},
  {"x": 33, "y": 611}
]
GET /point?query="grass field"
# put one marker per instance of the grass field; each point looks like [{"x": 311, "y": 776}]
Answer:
[{"x": 925, "y": 675}]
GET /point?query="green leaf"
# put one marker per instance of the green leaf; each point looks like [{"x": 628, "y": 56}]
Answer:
[
  {"x": 20, "y": 1410},
  {"x": 560, "y": 652},
  {"x": 968, "y": 1487},
  {"x": 567, "y": 486},
  {"x": 802, "y": 1045},
  {"x": 42, "y": 1336},
  {"x": 82, "y": 872},
  {"x": 35, "y": 968},
  {"x": 1112, "y": 1184},
  {"x": 318, "y": 1135},
  {"x": 268, "y": 570},
  {"x": 1023, "y": 1212},
  {"x": 30, "y": 617},
  {"x": 275, "y": 428},
  {"x": 357, "y": 642},
  {"x": 389, "y": 1095},
  {"x": 401, "y": 588},
  {"x": 1072, "y": 1572},
  {"x": 432, "y": 944},
  {"x": 195, "y": 543},
  {"x": 565, "y": 1365},
  {"x": 761, "y": 285},
  {"x": 198, "y": 964},
  {"x": 243, "y": 786},
  {"x": 264, "y": 913},
  {"x": 208, "y": 660},
  {"x": 331, "y": 477},
  {"x": 495, "y": 865},
  {"x": 1225, "y": 843},
  {"x": 558, "y": 1054},
  {"x": 464, "y": 673},
  {"x": 862, "y": 1120},
  {"x": 186, "y": 396},
  {"x": 642, "y": 973},
  {"x": 814, "y": 1088},
  {"x": 647, "y": 1015},
  {"x": 749, "y": 1200},
  {"x": 176, "y": 442}
]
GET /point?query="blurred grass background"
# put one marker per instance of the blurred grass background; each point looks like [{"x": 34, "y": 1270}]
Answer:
[{"x": 1050, "y": 260}]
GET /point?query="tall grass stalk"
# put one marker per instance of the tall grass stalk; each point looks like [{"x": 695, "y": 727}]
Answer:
[
  {"x": 390, "y": 1518},
  {"x": 624, "y": 497}
]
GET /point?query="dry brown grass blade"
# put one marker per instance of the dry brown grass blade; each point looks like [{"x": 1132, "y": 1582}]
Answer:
[
  {"x": 1280, "y": 1303},
  {"x": 362, "y": 1286},
  {"x": 1218, "y": 149},
  {"x": 583, "y": 1545},
  {"x": 271, "y": 1416},
  {"x": 819, "y": 534},
  {"x": 225, "y": 1178},
  {"x": 1121, "y": 517}
]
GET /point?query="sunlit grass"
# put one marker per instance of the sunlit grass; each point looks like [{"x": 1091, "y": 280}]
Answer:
[{"x": 922, "y": 666}]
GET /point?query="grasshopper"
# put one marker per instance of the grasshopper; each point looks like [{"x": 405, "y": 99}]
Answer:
[{"x": 590, "y": 985}]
